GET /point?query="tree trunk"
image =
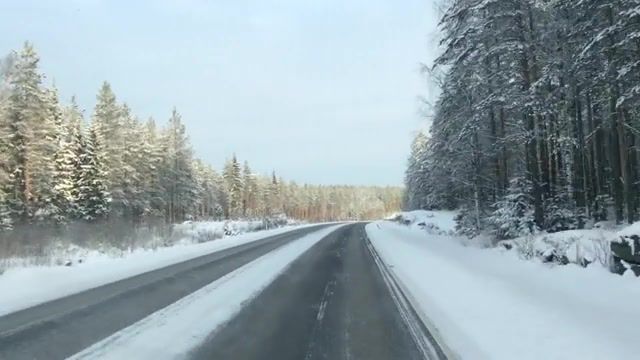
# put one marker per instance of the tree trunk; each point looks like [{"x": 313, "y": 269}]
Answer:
[{"x": 579, "y": 160}]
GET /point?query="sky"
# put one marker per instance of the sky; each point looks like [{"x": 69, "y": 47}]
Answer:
[{"x": 323, "y": 92}]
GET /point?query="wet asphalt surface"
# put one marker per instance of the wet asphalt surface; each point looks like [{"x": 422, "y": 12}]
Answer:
[{"x": 331, "y": 303}]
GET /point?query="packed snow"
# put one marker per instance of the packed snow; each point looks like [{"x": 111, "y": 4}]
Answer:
[
  {"x": 23, "y": 287},
  {"x": 187, "y": 322},
  {"x": 491, "y": 304}
]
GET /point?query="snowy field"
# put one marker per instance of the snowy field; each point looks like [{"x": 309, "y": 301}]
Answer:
[
  {"x": 181, "y": 323},
  {"x": 23, "y": 287},
  {"x": 491, "y": 304}
]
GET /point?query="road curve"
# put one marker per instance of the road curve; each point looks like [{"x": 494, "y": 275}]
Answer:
[
  {"x": 333, "y": 302},
  {"x": 60, "y": 328}
]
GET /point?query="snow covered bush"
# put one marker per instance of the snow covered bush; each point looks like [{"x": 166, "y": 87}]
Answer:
[
  {"x": 432, "y": 222},
  {"x": 602, "y": 252},
  {"x": 525, "y": 246},
  {"x": 513, "y": 215},
  {"x": 561, "y": 214},
  {"x": 601, "y": 207},
  {"x": 203, "y": 231},
  {"x": 580, "y": 247},
  {"x": 467, "y": 222}
]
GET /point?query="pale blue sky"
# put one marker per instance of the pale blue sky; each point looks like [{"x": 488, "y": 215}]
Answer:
[{"x": 321, "y": 91}]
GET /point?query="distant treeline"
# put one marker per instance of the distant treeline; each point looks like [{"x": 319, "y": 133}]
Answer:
[{"x": 57, "y": 168}]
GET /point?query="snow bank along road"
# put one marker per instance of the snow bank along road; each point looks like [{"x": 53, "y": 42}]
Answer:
[
  {"x": 313, "y": 293},
  {"x": 490, "y": 304}
]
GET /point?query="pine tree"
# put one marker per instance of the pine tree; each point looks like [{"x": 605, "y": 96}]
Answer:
[
  {"x": 151, "y": 162},
  {"x": 6, "y": 66},
  {"x": 179, "y": 182},
  {"x": 249, "y": 192},
  {"x": 416, "y": 193},
  {"x": 68, "y": 162},
  {"x": 54, "y": 171},
  {"x": 273, "y": 196},
  {"x": 232, "y": 175},
  {"x": 107, "y": 122},
  {"x": 45, "y": 146},
  {"x": 93, "y": 196},
  {"x": 513, "y": 214},
  {"x": 28, "y": 125},
  {"x": 128, "y": 178},
  {"x": 543, "y": 91}
]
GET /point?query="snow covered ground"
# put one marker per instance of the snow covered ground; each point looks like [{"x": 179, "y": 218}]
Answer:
[
  {"x": 58, "y": 251},
  {"x": 490, "y": 304},
  {"x": 186, "y": 323},
  {"x": 22, "y": 287},
  {"x": 200, "y": 231}
]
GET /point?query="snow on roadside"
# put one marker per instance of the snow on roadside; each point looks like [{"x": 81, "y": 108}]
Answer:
[
  {"x": 187, "y": 322},
  {"x": 200, "y": 231},
  {"x": 445, "y": 220},
  {"x": 488, "y": 305},
  {"x": 63, "y": 250},
  {"x": 586, "y": 247},
  {"x": 28, "y": 286}
]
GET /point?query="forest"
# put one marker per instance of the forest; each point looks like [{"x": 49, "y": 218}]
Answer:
[
  {"x": 60, "y": 172},
  {"x": 537, "y": 123}
]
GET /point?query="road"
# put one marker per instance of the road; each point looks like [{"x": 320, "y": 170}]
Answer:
[
  {"x": 333, "y": 302},
  {"x": 63, "y": 327}
]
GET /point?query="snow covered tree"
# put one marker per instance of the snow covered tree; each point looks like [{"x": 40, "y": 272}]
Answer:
[
  {"x": 151, "y": 161},
  {"x": 416, "y": 172},
  {"x": 6, "y": 67},
  {"x": 250, "y": 192},
  {"x": 539, "y": 90},
  {"x": 178, "y": 180},
  {"x": 127, "y": 180},
  {"x": 29, "y": 130},
  {"x": 208, "y": 203},
  {"x": 513, "y": 214},
  {"x": 93, "y": 195},
  {"x": 232, "y": 175},
  {"x": 273, "y": 196},
  {"x": 107, "y": 121},
  {"x": 120, "y": 173},
  {"x": 68, "y": 164}
]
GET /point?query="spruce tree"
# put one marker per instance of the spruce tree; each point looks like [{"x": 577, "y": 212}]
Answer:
[
  {"x": 68, "y": 162},
  {"x": 28, "y": 120},
  {"x": 178, "y": 177},
  {"x": 93, "y": 197},
  {"x": 233, "y": 179}
]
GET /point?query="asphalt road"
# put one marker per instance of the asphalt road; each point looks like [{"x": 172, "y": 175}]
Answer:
[
  {"x": 63, "y": 327},
  {"x": 332, "y": 303}
]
